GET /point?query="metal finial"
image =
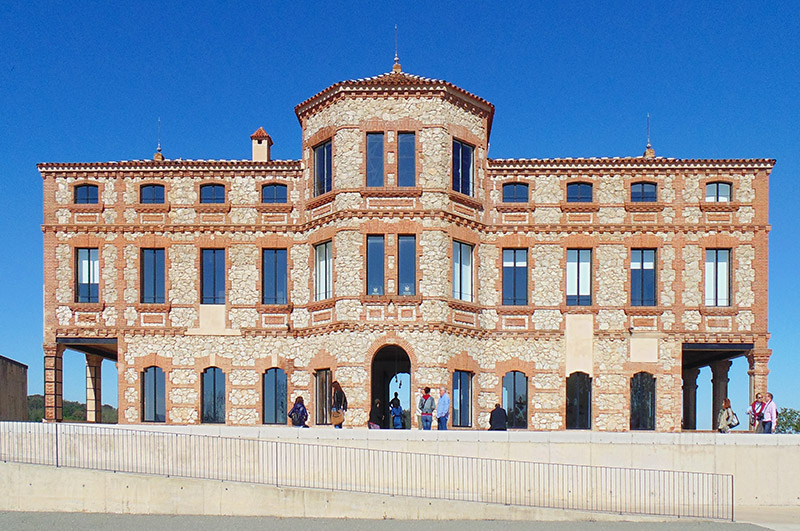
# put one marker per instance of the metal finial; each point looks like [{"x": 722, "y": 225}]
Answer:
[
  {"x": 159, "y": 135},
  {"x": 648, "y": 129},
  {"x": 396, "y": 58}
]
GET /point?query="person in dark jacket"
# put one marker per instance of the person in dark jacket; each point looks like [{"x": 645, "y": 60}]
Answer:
[
  {"x": 376, "y": 416},
  {"x": 298, "y": 414},
  {"x": 338, "y": 400},
  {"x": 498, "y": 419}
]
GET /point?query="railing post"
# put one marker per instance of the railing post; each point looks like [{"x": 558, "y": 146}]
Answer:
[
  {"x": 56, "y": 427},
  {"x": 733, "y": 499}
]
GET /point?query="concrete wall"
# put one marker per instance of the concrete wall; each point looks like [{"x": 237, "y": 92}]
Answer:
[{"x": 13, "y": 390}]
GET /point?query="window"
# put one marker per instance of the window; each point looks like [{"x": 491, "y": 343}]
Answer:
[
  {"x": 515, "y": 277},
  {"x": 88, "y": 276},
  {"x": 323, "y": 181},
  {"x": 643, "y": 193},
  {"x": 462, "y": 271},
  {"x": 406, "y": 265},
  {"x": 718, "y": 193},
  {"x": 579, "y": 401},
  {"x": 579, "y": 193},
  {"x": 718, "y": 273},
  {"x": 213, "y": 406},
  {"x": 212, "y": 271},
  {"x": 323, "y": 272},
  {"x": 374, "y": 159},
  {"x": 462, "y": 167},
  {"x": 515, "y": 399},
  {"x": 406, "y": 159},
  {"x": 273, "y": 262},
  {"x": 154, "y": 408},
  {"x": 515, "y": 193},
  {"x": 643, "y": 277},
  {"x": 643, "y": 401},
  {"x": 85, "y": 194},
  {"x": 579, "y": 277},
  {"x": 375, "y": 270},
  {"x": 322, "y": 404},
  {"x": 212, "y": 193},
  {"x": 275, "y": 408},
  {"x": 462, "y": 399},
  {"x": 152, "y": 276},
  {"x": 151, "y": 194},
  {"x": 273, "y": 193}
]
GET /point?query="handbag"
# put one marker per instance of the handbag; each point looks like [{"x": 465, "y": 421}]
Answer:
[
  {"x": 734, "y": 421},
  {"x": 337, "y": 417}
]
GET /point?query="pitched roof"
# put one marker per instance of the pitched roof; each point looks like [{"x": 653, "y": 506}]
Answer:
[{"x": 260, "y": 134}]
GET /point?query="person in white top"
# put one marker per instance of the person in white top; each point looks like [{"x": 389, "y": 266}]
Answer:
[{"x": 770, "y": 415}]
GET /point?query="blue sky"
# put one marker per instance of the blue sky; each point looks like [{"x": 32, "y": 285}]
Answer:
[{"x": 87, "y": 82}]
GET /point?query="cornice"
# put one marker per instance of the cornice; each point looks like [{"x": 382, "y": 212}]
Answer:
[
  {"x": 169, "y": 165},
  {"x": 626, "y": 163}
]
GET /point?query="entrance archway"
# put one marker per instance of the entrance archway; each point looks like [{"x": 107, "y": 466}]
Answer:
[{"x": 391, "y": 372}]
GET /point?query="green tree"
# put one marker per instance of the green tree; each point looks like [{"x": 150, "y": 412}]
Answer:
[{"x": 788, "y": 421}]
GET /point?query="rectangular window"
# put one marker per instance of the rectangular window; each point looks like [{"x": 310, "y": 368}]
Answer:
[
  {"x": 643, "y": 277},
  {"x": 152, "y": 276},
  {"x": 462, "y": 167},
  {"x": 406, "y": 265},
  {"x": 273, "y": 263},
  {"x": 375, "y": 269},
  {"x": 212, "y": 271},
  {"x": 718, "y": 272},
  {"x": 579, "y": 277},
  {"x": 323, "y": 396},
  {"x": 462, "y": 271},
  {"x": 323, "y": 180},
  {"x": 87, "y": 268},
  {"x": 374, "y": 159},
  {"x": 462, "y": 399},
  {"x": 323, "y": 271},
  {"x": 406, "y": 159},
  {"x": 515, "y": 277}
]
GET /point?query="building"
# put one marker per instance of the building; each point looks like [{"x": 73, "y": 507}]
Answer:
[
  {"x": 13, "y": 390},
  {"x": 579, "y": 293}
]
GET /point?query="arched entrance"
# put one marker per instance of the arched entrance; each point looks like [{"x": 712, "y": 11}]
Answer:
[{"x": 391, "y": 373}]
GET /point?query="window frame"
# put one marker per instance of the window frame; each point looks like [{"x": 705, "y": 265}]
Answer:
[
  {"x": 323, "y": 276},
  {"x": 375, "y": 168},
  {"x": 323, "y": 167},
  {"x": 580, "y": 298},
  {"x": 577, "y": 192},
  {"x": 579, "y": 405},
  {"x": 155, "y": 275},
  {"x": 641, "y": 194},
  {"x": 214, "y": 297},
  {"x": 646, "y": 422},
  {"x": 517, "y": 280},
  {"x": 280, "y": 400},
  {"x": 154, "y": 200},
  {"x": 461, "y": 183},
  {"x": 406, "y": 162},
  {"x": 91, "y": 270},
  {"x": 213, "y": 416},
  {"x": 406, "y": 276},
  {"x": 275, "y": 278},
  {"x": 638, "y": 286},
  {"x": 713, "y": 281},
  {"x": 376, "y": 265},
  {"x": 215, "y": 198},
  {"x": 323, "y": 386},
  {"x": 516, "y": 378},
  {"x": 715, "y": 197},
  {"x": 460, "y": 271},
  {"x": 89, "y": 199},
  {"x": 153, "y": 381},
  {"x": 514, "y": 196},
  {"x": 274, "y": 198},
  {"x": 462, "y": 405}
]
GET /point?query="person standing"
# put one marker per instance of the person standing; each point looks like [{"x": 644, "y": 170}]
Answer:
[
  {"x": 770, "y": 415},
  {"x": 498, "y": 419},
  {"x": 338, "y": 403},
  {"x": 443, "y": 409},
  {"x": 756, "y": 414},
  {"x": 396, "y": 411},
  {"x": 298, "y": 414},
  {"x": 376, "y": 416},
  {"x": 426, "y": 406},
  {"x": 725, "y": 417}
]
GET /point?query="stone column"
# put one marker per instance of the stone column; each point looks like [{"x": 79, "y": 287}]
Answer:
[
  {"x": 53, "y": 398},
  {"x": 690, "y": 398},
  {"x": 94, "y": 402},
  {"x": 719, "y": 382},
  {"x": 758, "y": 371}
]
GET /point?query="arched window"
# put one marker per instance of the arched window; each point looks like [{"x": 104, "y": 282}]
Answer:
[
  {"x": 85, "y": 194},
  {"x": 273, "y": 193},
  {"x": 515, "y": 399},
  {"x": 718, "y": 193},
  {"x": 643, "y": 193},
  {"x": 213, "y": 396},
  {"x": 275, "y": 397},
  {"x": 151, "y": 194},
  {"x": 579, "y": 401},
  {"x": 579, "y": 193},
  {"x": 212, "y": 193},
  {"x": 153, "y": 405},
  {"x": 515, "y": 193},
  {"x": 643, "y": 401}
]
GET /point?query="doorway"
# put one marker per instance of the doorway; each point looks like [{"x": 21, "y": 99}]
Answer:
[{"x": 391, "y": 373}]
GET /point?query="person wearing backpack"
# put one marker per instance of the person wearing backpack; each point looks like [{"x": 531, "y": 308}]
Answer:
[
  {"x": 298, "y": 415},
  {"x": 426, "y": 406}
]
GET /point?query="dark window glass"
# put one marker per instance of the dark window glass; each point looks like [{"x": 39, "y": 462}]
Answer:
[
  {"x": 323, "y": 396},
  {"x": 85, "y": 194},
  {"x": 274, "y": 276},
  {"x": 643, "y": 277},
  {"x": 718, "y": 193},
  {"x": 462, "y": 399},
  {"x": 323, "y": 180},
  {"x": 643, "y": 193},
  {"x": 323, "y": 271},
  {"x": 273, "y": 193},
  {"x": 152, "y": 276},
  {"x": 375, "y": 159},
  {"x": 462, "y": 167},
  {"x": 213, "y": 396},
  {"x": 718, "y": 277},
  {"x": 212, "y": 193},
  {"x": 515, "y": 193},
  {"x": 579, "y": 401},
  {"x": 515, "y": 399},
  {"x": 275, "y": 408},
  {"x": 515, "y": 277},
  {"x": 579, "y": 277},
  {"x": 87, "y": 268},
  {"x": 406, "y": 265},
  {"x": 579, "y": 193},
  {"x": 154, "y": 407},
  {"x": 213, "y": 276},
  {"x": 406, "y": 159},
  {"x": 643, "y": 401},
  {"x": 375, "y": 270},
  {"x": 151, "y": 194},
  {"x": 462, "y": 271}
]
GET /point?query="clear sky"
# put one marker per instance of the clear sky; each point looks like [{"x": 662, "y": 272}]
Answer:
[{"x": 87, "y": 81}]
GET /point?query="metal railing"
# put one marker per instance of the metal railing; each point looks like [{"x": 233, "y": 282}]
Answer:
[{"x": 317, "y": 466}]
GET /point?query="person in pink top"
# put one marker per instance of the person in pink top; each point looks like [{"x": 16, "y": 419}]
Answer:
[{"x": 770, "y": 415}]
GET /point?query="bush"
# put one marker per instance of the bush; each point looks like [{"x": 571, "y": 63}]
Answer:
[{"x": 788, "y": 421}]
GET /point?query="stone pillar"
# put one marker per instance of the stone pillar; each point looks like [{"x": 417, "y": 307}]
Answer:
[
  {"x": 690, "y": 398},
  {"x": 53, "y": 392},
  {"x": 719, "y": 382},
  {"x": 758, "y": 371},
  {"x": 94, "y": 402}
]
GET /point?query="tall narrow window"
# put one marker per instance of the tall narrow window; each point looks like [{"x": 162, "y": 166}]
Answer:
[
  {"x": 462, "y": 271},
  {"x": 579, "y": 401},
  {"x": 151, "y": 194},
  {"x": 323, "y": 179},
  {"x": 374, "y": 159},
  {"x": 579, "y": 193},
  {"x": 643, "y": 193},
  {"x": 643, "y": 277},
  {"x": 213, "y": 276},
  {"x": 462, "y": 167},
  {"x": 462, "y": 399},
  {"x": 212, "y": 193},
  {"x": 152, "y": 276},
  {"x": 88, "y": 276},
  {"x": 579, "y": 277},
  {"x": 515, "y": 193},
  {"x": 406, "y": 265},
  {"x": 213, "y": 383},
  {"x": 718, "y": 193},
  {"x": 274, "y": 276},
  {"x": 85, "y": 194},
  {"x": 643, "y": 401},
  {"x": 323, "y": 271},
  {"x": 375, "y": 269},
  {"x": 322, "y": 403},
  {"x": 275, "y": 397},
  {"x": 718, "y": 272},
  {"x": 153, "y": 388},
  {"x": 406, "y": 159},
  {"x": 515, "y": 277},
  {"x": 515, "y": 399},
  {"x": 273, "y": 193}
]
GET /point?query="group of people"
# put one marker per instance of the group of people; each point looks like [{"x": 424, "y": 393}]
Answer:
[
  {"x": 298, "y": 415},
  {"x": 763, "y": 415}
]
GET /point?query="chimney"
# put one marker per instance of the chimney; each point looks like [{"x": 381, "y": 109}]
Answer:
[{"x": 261, "y": 145}]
